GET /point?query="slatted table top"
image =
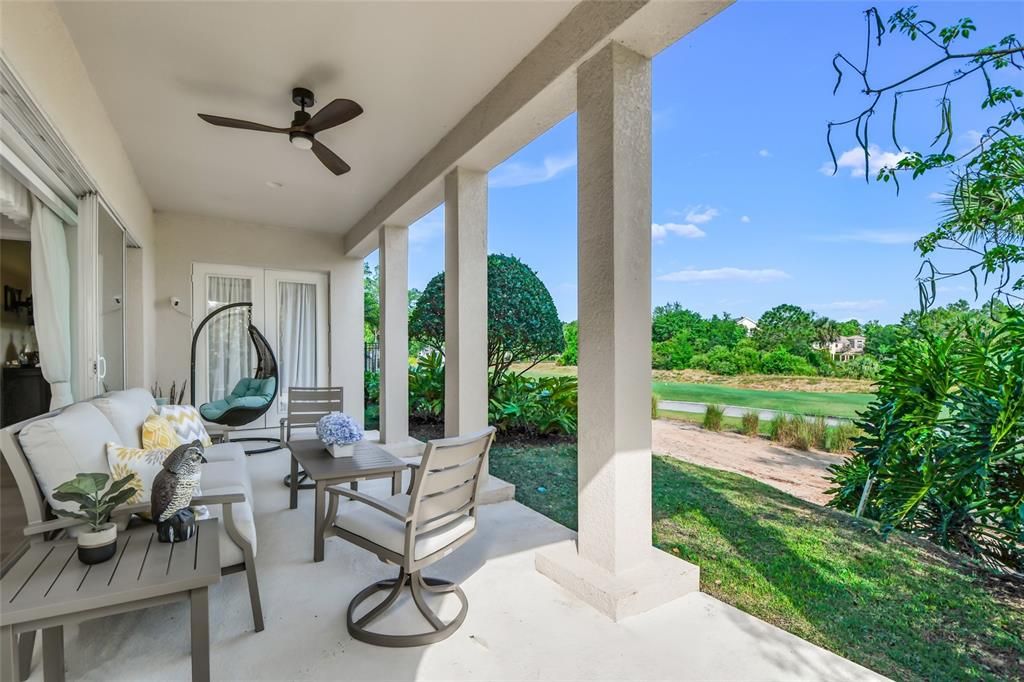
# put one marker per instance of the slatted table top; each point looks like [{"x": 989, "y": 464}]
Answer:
[
  {"x": 50, "y": 581},
  {"x": 369, "y": 459}
]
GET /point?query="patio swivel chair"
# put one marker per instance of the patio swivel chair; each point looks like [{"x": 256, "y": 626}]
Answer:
[{"x": 413, "y": 531}]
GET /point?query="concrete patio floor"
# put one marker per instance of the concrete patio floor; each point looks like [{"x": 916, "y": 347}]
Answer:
[{"x": 520, "y": 624}]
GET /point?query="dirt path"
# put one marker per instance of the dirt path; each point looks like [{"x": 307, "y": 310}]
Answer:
[{"x": 798, "y": 473}]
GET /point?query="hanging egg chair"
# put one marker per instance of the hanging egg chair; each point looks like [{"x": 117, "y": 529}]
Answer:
[{"x": 251, "y": 397}]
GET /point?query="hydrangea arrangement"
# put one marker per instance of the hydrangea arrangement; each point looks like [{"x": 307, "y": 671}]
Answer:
[{"x": 337, "y": 428}]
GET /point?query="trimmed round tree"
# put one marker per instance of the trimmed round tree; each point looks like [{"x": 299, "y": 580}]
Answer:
[{"x": 522, "y": 321}]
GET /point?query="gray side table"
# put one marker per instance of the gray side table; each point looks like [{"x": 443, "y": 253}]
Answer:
[
  {"x": 49, "y": 588},
  {"x": 369, "y": 461}
]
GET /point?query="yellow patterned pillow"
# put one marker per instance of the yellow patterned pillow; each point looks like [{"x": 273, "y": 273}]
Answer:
[
  {"x": 186, "y": 422},
  {"x": 141, "y": 464},
  {"x": 159, "y": 434}
]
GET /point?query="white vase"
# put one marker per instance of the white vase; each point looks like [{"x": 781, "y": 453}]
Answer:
[{"x": 340, "y": 450}]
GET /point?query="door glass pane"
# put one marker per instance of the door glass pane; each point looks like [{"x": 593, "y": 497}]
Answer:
[
  {"x": 297, "y": 333},
  {"x": 229, "y": 352},
  {"x": 110, "y": 360}
]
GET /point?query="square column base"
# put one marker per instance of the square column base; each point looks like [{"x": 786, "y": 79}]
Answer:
[{"x": 659, "y": 579}]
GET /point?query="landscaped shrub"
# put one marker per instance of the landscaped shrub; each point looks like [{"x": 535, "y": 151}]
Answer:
[
  {"x": 676, "y": 353},
  {"x": 371, "y": 400},
  {"x": 782, "y": 429},
  {"x": 781, "y": 361},
  {"x": 818, "y": 427},
  {"x": 534, "y": 405},
  {"x": 804, "y": 434},
  {"x": 943, "y": 443},
  {"x": 839, "y": 438},
  {"x": 713, "y": 417},
  {"x": 655, "y": 399},
  {"x": 751, "y": 423},
  {"x": 719, "y": 360},
  {"x": 571, "y": 355},
  {"x": 426, "y": 388}
]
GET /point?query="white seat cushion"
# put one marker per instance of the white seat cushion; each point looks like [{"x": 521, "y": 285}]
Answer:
[
  {"x": 388, "y": 532},
  {"x": 71, "y": 443},
  {"x": 126, "y": 410},
  {"x": 225, "y": 452},
  {"x": 226, "y": 478}
]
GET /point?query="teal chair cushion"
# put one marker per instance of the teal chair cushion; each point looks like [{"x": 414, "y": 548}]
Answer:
[{"x": 248, "y": 392}]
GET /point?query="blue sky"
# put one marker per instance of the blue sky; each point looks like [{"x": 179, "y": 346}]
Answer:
[{"x": 744, "y": 216}]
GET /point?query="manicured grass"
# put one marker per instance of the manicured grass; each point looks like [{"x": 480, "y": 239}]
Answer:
[
  {"x": 896, "y": 606},
  {"x": 795, "y": 402}
]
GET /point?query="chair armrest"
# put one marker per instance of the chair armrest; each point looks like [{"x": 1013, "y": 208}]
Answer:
[
  {"x": 401, "y": 515},
  {"x": 229, "y": 498},
  {"x": 53, "y": 524}
]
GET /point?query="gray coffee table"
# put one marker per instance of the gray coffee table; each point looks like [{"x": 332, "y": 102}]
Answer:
[
  {"x": 49, "y": 588},
  {"x": 369, "y": 461}
]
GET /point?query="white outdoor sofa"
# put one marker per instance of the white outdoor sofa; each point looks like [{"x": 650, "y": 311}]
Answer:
[{"x": 47, "y": 450}]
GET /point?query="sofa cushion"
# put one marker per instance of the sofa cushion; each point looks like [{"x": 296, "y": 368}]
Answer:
[
  {"x": 225, "y": 478},
  {"x": 73, "y": 442},
  {"x": 226, "y": 452},
  {"x": 127, "y": 410},
  {"x": 388, "y": 532}
]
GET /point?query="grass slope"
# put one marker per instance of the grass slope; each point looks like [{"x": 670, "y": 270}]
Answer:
[
  {"x": 795, "y": 402},
  {"x": 894, "y": 606}
]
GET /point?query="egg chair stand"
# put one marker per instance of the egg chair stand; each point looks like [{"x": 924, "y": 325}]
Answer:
[{"x": 251, "y": 397}]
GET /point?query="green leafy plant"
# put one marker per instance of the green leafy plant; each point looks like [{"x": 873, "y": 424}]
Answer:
[
  {"x": 713, "y": 417},
  {"x": 571, "y": 355},
  {"x": 95, "y": 504},
  {"x": 426, "y": 387},
  {"x": 535, "y": 405},
  {"x": 942, "y": 449},
  {"x": 750, "y": 423}
]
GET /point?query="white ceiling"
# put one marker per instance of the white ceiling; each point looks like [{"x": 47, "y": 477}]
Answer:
[{"x": 416, "y": 68}]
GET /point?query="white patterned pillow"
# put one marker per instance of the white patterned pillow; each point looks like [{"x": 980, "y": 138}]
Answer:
[
  {"x": 186, "y": 422},
  {"x": 143, "y": 465}
]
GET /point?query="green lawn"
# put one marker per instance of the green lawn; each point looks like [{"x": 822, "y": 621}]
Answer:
[
  {"x": 795, "y": 402},
  {"x": 894, "y": 606}
]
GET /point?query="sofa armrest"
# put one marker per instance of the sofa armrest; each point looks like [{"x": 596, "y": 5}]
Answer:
[
  {"x": 41, "y": 527},
  {"x": 229, "y": 498}
]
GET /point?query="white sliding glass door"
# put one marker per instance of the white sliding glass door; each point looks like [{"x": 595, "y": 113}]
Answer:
[{"x": 289, "y": 308}]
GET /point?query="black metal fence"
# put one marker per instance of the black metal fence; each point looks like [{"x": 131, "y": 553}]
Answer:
[{"x": 371, "y": 357}]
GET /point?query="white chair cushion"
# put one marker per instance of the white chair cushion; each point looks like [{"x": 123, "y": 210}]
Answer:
[
  {"x": 388, "y": 532},
  {"x": 71, "y": 443},
  {"x": 226, "y": 478},
  {"x": 126, "y": 410},
  {"x": 225, "y": 452}
]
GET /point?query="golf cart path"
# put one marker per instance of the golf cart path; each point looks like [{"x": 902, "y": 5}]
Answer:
[{"x": 735, "y": 411}]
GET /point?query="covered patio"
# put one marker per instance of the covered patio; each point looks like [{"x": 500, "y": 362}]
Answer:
[
  {"x": 520, "y": 625},
  {"x": 545, "y": 603}
]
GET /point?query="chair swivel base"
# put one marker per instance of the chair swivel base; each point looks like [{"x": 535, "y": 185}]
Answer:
[
  {"x": 418, "y": 585},
  {"x": 303, "y": 476}
]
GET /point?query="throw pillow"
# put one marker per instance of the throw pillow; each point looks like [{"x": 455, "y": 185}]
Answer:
[
  {"x": 142, "y": 465},
  {"x": 186, "y": 422},
  {"x": 158, "y": 434}
]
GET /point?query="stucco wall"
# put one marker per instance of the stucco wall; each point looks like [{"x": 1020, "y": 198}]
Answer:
[
  {"x": 182, "y": 240},
  {"x": 37, "y": 45}
]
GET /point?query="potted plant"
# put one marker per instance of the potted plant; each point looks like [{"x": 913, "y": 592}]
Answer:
[
  {"x": 339, "y": 433},
  {"x": 99, "y": 542}
]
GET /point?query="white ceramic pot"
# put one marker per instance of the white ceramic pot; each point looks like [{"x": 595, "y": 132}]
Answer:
[
  {"x": 95, "y": 547},
  {"x": 339, "y": 450}
]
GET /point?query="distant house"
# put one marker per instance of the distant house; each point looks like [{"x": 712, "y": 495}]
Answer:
[
  {"x": 845, "y": 347},
  {"x": 747, "y": 324}
]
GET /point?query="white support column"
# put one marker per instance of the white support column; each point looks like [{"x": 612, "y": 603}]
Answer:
[
  {"x": 394, "y": 334},
  {"x": 347, "y": 345},
  {"x": 614, "y": 567},
  {"x": 465, "y": 301}
]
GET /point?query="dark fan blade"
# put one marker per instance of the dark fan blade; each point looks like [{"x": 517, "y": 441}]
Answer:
[
  {"x": 330, "y": 159},
  {"x": 244, "y": 125},
  {"x": 334, "y": 114}
]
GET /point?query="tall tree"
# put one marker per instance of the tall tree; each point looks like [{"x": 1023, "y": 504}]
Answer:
[{"x": 786, "y": 326}]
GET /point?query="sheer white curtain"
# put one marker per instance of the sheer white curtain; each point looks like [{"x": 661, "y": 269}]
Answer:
[
  {"x": 230, "y": 353},
  {"x": 296, "y": 310},
  {"x": 15, "y": 199},
  {"x": 51, "y": 297}
]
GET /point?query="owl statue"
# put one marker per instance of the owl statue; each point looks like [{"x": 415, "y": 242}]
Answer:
[{"x": 173, "y": 488}]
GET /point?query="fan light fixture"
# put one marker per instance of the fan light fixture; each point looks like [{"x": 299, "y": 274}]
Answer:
[{"x": 301, "y": 140}]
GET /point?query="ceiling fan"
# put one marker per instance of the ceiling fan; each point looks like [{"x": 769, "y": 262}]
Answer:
[{"x": 303, "y": 130}]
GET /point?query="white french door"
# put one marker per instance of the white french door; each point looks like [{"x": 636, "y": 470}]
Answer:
[{"x": 289, "y": 308}]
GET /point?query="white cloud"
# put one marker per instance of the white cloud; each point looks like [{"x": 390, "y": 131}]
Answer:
[
  {"x": 850, "y": 306},
  {"x": 764, "y": 153},
  {"x": 724, "y": 274},
  {"x": 853, "y": 159},
  {"x": 426, "y": 230},
  {"x": 661, "y": 230},
  {"x": 515, "y": 174},
  {"x": 701, "y": 214},
  {"x": 744, "y": 219},
  {"x": 888, "y": 237},
  {"x": 971, "y": 139}
]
